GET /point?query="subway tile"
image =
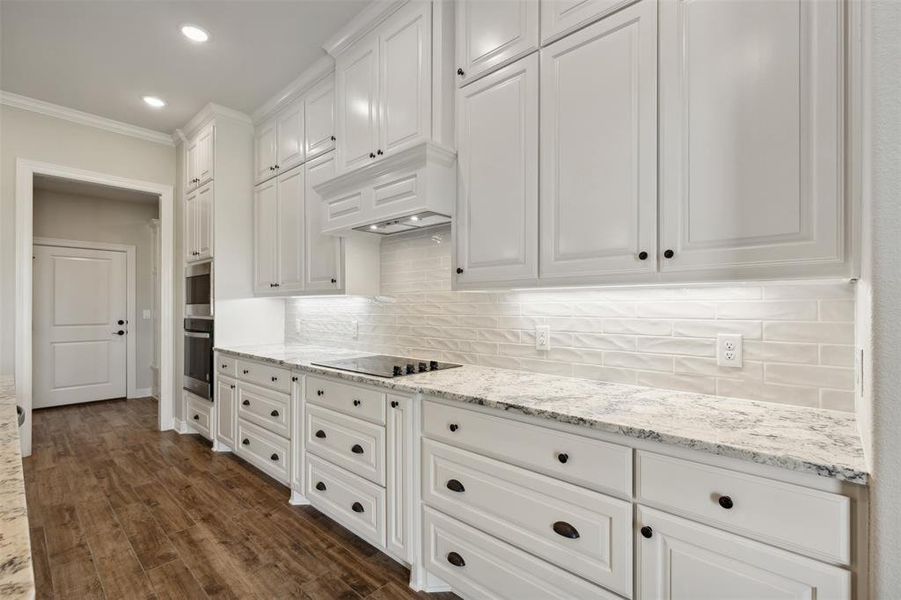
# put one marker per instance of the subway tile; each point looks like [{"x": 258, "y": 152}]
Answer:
[
  {"x": 583, "y": 324},
  {"x": 837, "y": 356},
  {"x": 604, "y": 341},
  {"x": 694, "y": 365},
  {"x": 609, "y": 374},
  {"x": 752, "y": 330},
  {"x": 576, "y": 355},
  {"x": 638, "y": 326},
  {"x": 546, "y": 366},
  {"x": 810, "y": 375},
  {"x": 837, "y": 400},
  {"x": 794, "y": 291},
  {"x": 672, "y": 345},
  {"x": 669, "y": 381},
  {"x": 635, "y": 360},
  {"x": 769, "y": 311},
  {"x": 836, "y": 310},
  {"x": 782, "y": 394},
  {"x": 824, "y": 333},
  {"x": 781, "y": 352},
  {"x": 511, "y": 336},
  {"x": 677, "y": 310}
]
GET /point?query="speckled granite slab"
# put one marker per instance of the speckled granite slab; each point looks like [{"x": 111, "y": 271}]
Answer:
[
  {"x": 822, "y": 442},
  {"x": 16, "y": 575}
]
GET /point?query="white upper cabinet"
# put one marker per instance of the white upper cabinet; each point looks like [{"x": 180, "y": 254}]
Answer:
[
  {"x": 560, "y": 17},
  {"x": 356, "y": 80},
  {"x": 598, "y": 200},
  {"x": 496, "y": 226},
  {"x": 319, "y": 117},
  {"x": 323, "y": 252},
  {"x": 199, "y": 158},
  {"x": 404, "y": 83},
  {"x": 291, "y": 230},
  {"x": 264, "y": 151},
  {"x": 198, "y": 221},
  {"x": 265, "y": 236},
  {"x": 751, "y": 138},
  {"x": 289, "y": 126},
  {"x": 492, "y": 33}
]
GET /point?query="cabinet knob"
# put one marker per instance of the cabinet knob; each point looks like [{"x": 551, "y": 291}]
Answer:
[
  {"x": 320, "y": 486},
  {"x": 642, "y": 255},
  {"x": 246, "y": 403},
  {"x": 121, "y": 322},
  {"x": 277, "y": 167},
  {"x": 647, "y": 532},
  {"x": 455, "y": 486},
  {"x": 455, "y": 559},
  {"x": 460, "y": 72},
  {"x": 563, "y": 457},
  {"x": 566, "y": 530},
  {"x": 333, "y": 138},
  {"x": 319, "y": 392},
  {"x": 371, "y": 155},
  {"x": 356, "y": 403},
  {"x": 334, "y": 280},
  {"x": 726, "y": 502},
  {"x": 273, "y": 457},
  {"x": 294, "y": 378},
  {"x": 459, "y": 270},
  {"x": 379, "y": 152},
  {"x": 274, "y": 378},
  {"x": 245, "y": 442},
  {"x": 453, "y": 427},
  {"x": 271, "y": 168},
  {"x": 357, "y": 449},
  {"x": 246, "y": 371},
  {"x": 320, "y": 434},
  {"x": 274, "y": 413},
  {"x": 224, "y": 366},
  {"x": 196, "y": 417},
  {"x": 669, "y": 254},
  {"x": 357, "y": 507},
  {"x": 233, "y": 386},
  {"x": 394, "y": 404}
]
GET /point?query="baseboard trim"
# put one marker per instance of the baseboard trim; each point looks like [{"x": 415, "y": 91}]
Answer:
[
  {"x": 298, "y": 499},
  {"x": 141, "y": 393},
  {"x": 179, "y": 426}
]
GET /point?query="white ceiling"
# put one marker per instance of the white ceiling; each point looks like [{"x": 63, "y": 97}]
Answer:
[
  {"x": 102, "y": 56},
  {"x": 72, "y": 187}
]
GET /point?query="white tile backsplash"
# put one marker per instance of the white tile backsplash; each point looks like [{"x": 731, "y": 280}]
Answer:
[{"x": 797, "y": 336}]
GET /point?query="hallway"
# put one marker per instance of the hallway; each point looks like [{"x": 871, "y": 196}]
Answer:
[{"x": 120, "y": 510}]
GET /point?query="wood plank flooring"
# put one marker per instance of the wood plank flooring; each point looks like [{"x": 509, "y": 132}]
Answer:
[{"x": 120, "y": 510}]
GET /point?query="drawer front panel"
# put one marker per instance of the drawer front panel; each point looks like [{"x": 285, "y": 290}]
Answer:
[
  {"x": 268, "y": 376},
  {"x": 477, "y": 565},
  {"x": 268, "y": 409},
  {"x": 265, "y": 450},
  {"x": 580, "y": 530},
  {"x": 365, "y": 403},
  {"x": 356, "y": 445},
  {"x": 797, "y": 518},
  {"x": 199, "y": 415},
  {"x": 227, "y": 365},
  {"x": 352, "y": 501},
  {"x": 584, "y": 461}
]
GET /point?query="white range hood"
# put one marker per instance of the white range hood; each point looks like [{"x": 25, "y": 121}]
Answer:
[{"x": 412, "y": 189}]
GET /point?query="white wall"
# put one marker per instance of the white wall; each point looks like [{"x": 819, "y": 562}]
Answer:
[
  {"x": 29, "y": 135},
  {"x": 881, "y": 405},
  {"x": 70, "y": 217}
]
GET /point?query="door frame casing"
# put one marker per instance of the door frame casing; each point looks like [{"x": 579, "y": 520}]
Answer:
[
  {"x": 131, "y": 371},
  {"x": 26, "y": 169}
]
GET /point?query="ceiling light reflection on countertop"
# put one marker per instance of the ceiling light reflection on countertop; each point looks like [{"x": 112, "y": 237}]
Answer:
[
  {"x": 195, "y": 33},
  {"x": 154, "y": 101}
]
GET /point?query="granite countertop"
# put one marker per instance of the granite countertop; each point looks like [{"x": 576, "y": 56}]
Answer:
[
  {"x": 822, "y": 442},
  {"x": 16, "y": 575}
]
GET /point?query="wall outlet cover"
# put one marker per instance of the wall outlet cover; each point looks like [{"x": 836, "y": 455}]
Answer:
[
  {"x": 542, "y": 337},
  {"x": 729, "y": 350}
]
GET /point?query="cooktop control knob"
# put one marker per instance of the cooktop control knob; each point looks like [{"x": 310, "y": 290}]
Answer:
[
  {"x": 433, "y": 365},
  {"x": 423, "y": 367},
  {"x": 398, "y": 371},
  {"x": 410, "y": 369}
]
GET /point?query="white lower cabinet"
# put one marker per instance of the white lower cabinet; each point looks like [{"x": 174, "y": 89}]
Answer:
[
  {"x": 682, "y": 560},
  {"x": 226, "y": 410},
  {"x": 399, "y": 475},
  {"x": 199, "y": 415},
  {"x": 265, "y": 450}
]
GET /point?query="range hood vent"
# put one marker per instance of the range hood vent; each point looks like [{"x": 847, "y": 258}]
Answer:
[{"x": 422, "y": 220}]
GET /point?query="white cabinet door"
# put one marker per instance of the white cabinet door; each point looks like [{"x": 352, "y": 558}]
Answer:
[
  {"x": 190, "y": 222},
  {"x": 205, "y": 154},
  {"x": 289, "y": 137},
  {"x": 750, "y": 125},
  {"x": 225, "y": 411},
  {"x": 203, "y": 213},
  {"x": 264, "y": 153},
  {"x": 682, "y": 560},
  {"x": 191, "y": 150},
  {"x": 265, "y": 237},
  {"x": 399, "y": 481},
  {"x": 319, "y": 116},
  {"x": 599, "y": 149},
  {"x": 291, "y": 230},
  {"x": 404, "y": 78},
  {"x": 497, "y": 204},
  {"x": 356, "y": 74},
  {"x": 560, "y": 17},
  {"x": 492, "y": 33},
  {"x": 322, "y": 270}
]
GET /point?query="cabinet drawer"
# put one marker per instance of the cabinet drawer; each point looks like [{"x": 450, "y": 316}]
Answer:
[
  {"x": 354, "y": 502},
  {"x": 268, "y": 452},
  {"x": 362, "y": 402},
  {"x": 587, "y": 462},
  {"x": 797, "y": 518},
  {"x": 268, "y": 409},
  {"x": 580, "y": 530},
  {"x": 227, "y": 365},
  {"x": 356, "y": 445},
  {"x": 199, "y": 415},
  {"x": 477, "y": 565},
  {"x": 268, "y": 376}
]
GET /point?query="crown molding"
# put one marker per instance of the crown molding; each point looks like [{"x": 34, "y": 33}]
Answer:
[
  {"x": 366, "y": 20},
  {"x": 83, "y": 118},
  {"x": 313, "y": 75},
  {"x": 207, "y": 113}
]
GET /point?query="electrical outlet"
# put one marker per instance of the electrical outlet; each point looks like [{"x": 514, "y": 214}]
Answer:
[
  {"x": 355, "y": 329},
  {"x": 728, "y": 350},
  {"x": 542, "y": 337}
]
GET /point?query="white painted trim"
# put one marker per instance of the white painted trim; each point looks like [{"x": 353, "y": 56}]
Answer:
[
  {"x": 365, "y": 21},
  {"x": 25, "y": 172},
  {"x": 207, "y": 113},
  {"x": 179, "y": 426},
  {"x": 297, "y": 499},
  {"x": 320, "y": 69},
  {"x": 131, "y": 366},
  {"x": 141, "y": 393},
  {"x": 83, "y": 118}
]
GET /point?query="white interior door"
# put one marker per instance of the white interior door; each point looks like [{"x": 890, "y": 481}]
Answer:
[{"x": 80, "y": 296}]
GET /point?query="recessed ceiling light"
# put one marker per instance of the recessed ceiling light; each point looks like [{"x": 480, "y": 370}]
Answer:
[
  {"x": 195, "y": 33},
  {"x": 154, "y": 101}
]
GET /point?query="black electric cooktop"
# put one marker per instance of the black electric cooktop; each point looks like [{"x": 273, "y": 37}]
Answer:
[{"x": 382, "y": 365}]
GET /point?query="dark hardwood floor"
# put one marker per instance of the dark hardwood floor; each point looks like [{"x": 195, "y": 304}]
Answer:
[{"x": 120, "y": 510}]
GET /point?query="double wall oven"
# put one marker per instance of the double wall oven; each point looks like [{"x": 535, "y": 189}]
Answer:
[{"x": 198, "y": 326}]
